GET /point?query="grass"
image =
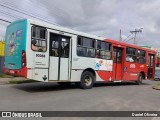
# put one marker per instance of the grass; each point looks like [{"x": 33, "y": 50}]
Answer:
[
  {"x": 156, "y": 86},
  {"x": 21, "y": 81},
  {"x": 5, "y": 76}
]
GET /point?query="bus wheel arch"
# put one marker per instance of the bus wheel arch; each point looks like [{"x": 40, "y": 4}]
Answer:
[
  {"x": 90, "y": 70},
  {"x": 143, "y": 74},
  {"x": 88, "y": 78}
]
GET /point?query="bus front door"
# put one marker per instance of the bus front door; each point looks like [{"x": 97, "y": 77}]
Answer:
[
  {"x": 59, "y": 57},
  {"x": 117, "y": 64}
]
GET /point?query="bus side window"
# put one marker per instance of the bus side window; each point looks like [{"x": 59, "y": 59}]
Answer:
[
  {"x": 103, "y": 50},
  {"x": 141, "y": 56},
  {"x": 54, "y": 48},
  {"x": 131, "y": 54},
  {"x": 66, "y": 50},
  {"x": 34, "y": 46},
  {"x": 39, "y": 40},
  {"x": 55, "y": 52},
  {"x": 85, "y": 47}
]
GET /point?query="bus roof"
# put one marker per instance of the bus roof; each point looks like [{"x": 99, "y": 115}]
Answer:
[
  {"x": 71, "y": 31},
  {"x": 129, "y": 45},
  {"x": 62, "y": 29},
  {"x": 17, "y": 21}
]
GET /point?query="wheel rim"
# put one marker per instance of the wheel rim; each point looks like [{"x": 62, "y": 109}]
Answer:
[{"x": 88, "y": 80}]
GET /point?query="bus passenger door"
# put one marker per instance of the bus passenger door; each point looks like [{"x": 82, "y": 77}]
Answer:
[
  {"x": 59, "y": 57},
  {"x": 117, "y": 64},
  {"x": 150, "y": 66}
]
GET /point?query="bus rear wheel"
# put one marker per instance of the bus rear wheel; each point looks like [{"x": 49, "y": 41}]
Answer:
[
  {"x": 87, "y": 80},
  {"x": 140, "y": 78}
]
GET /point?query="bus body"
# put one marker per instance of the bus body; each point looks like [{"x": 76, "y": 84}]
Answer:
[{"x": 49, "y": 53}]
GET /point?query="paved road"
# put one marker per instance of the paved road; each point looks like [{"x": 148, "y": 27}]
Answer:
[{"x": 103, "y": 97}]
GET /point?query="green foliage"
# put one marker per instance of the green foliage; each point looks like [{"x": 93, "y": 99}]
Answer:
[{"x": 5, "y": 76}]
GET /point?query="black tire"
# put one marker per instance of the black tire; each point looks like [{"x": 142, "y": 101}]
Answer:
[
  {"x": 77, "y": 84},
  {"x": 64, "y": 84},
  {"x": 87, "y": 80},
  {"x": 140, "y": 78}
]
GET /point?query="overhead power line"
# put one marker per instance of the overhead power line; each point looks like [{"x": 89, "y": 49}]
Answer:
[
  {"x": 126, "y": 39},
  {"x": 58, "y": 12},
  {"x": 9, "y": 14},
  {"x": 5, "y": 20},
  {"x": 22, "y": 12}
]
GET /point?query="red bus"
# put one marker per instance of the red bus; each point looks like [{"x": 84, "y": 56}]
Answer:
[
  {"x": 132, "y": 62},
  {"x": 49, "y": 53}
]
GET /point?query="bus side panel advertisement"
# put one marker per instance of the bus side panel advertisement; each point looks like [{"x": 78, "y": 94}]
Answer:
[{"x": 105, "y": 65}]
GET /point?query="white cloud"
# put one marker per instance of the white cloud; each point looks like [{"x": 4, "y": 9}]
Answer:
[{"x": 99, "y": 17}]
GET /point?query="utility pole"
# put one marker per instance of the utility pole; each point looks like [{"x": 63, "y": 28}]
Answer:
[
  {"x": 135, "y": 34},
  {"x": 120, "y": 37}
]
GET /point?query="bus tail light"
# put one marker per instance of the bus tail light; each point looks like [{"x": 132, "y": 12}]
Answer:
[{"x": 23, "y": 58}]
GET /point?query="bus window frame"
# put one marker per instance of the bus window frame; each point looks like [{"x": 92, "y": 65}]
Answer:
[
  {"x": 40, "y": 39},
  {"x": 131, "y": 55},
  {"x": 104, "y": 50},
  {"x": 94, "y": 48},
  {"x": 141, "y": 56}
]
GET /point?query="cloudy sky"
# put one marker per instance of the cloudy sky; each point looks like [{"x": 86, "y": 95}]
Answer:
[{"x": 98, "y": 17}]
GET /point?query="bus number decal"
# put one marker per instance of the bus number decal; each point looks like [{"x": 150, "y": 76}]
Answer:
[{"x": 40, "y": 55}]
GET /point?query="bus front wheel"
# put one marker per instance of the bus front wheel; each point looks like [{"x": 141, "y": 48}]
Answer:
[
  {"x": 140, "y": 78},
  {"x": 87, "y": 80}
]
